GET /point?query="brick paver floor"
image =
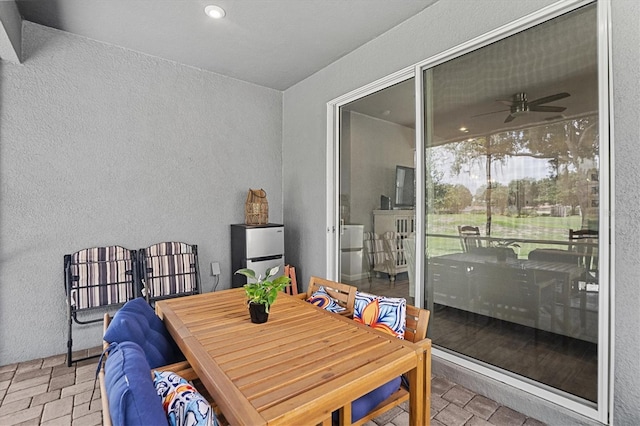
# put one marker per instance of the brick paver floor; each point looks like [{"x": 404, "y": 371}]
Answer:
[{"x": 47, "y": 392}]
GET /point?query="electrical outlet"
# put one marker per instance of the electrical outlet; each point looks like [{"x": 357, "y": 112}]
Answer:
[{"x": 215, "y": 269}]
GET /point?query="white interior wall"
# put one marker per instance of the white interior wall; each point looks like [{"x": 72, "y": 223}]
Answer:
[
  {"x": 104, "y": 146},
  {"x": 377, "y": 146},
  {"x": 438, "y": 28}
]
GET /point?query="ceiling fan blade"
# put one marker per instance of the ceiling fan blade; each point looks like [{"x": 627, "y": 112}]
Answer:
[
  {"x": 508, "y": 102},
  {"x": 510, "y": 118},
  {"x": 488, "y": 113},
  {"x": 546, "y": 108},
  {"x": 548, "y": 99}
]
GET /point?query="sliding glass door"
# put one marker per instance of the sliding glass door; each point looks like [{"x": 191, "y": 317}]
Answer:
[
  {"x": 490, "y": 208},
  {"x": 377, "y": 191},
  {"x": 513, "y": 204}
]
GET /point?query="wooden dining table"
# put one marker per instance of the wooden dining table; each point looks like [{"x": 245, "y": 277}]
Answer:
[{"x": 295, "y": 369}]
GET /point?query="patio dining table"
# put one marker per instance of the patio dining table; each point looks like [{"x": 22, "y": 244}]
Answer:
[
  {"x": 298, "y": 367},
  {"x": 562, "y": 271}
]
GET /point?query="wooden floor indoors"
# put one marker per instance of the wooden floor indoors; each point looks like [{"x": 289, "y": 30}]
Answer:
[{"x": 561, "y": 362}]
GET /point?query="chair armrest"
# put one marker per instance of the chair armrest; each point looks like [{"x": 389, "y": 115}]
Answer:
[
  {"x": 424, "y": 343},
  {"x": 105, "y": 325},
  {"x": 301, "y": 296},
  {"x": 106, "y": 417}
]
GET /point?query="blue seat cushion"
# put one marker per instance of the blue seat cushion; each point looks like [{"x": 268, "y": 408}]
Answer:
[
  {"x": 137, "y": 322},
  {"x": 363, "y": 405},
  {"x": 130, "y": 391}
]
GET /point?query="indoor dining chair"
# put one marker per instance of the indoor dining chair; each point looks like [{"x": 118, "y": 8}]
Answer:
[
  {"x": 588, "y": 284},
  {"x": 588, "y": 254},
  {"x": 469, "y": 237}
]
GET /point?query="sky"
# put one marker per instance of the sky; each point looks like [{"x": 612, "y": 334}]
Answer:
[{"x": 473, "y": 175}]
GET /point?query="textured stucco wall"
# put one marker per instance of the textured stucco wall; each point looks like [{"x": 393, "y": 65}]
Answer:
[
  {"x": 99, "y": 146},
  {"x": 625, "y": 211},
  {"x": 429, "y": 33}
]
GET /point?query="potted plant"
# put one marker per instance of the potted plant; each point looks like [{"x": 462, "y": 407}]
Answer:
[{"x": 262, "y": 292}]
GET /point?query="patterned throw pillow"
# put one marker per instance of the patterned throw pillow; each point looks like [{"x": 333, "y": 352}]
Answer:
[
  {"x": 388, "y": 314},
  {"x": 183, "y": 404},
  {"x": 321, "y": 299}
]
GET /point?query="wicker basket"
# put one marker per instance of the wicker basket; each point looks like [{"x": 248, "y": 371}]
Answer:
[{"x": 256, "y": 209}]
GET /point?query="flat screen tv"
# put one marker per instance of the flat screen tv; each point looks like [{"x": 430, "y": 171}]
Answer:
[{"x": 405, "y": 187}]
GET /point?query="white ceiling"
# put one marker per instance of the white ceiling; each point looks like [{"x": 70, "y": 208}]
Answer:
[
  {"x": 272, "y": 43},
  {"x": 277, "y": 43}
]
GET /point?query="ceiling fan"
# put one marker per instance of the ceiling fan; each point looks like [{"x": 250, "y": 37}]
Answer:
[{"x": 519, "y": 105}]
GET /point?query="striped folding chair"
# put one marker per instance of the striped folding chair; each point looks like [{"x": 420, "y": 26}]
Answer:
[
  {"x": 169, "y": 269},
  {"x": 94, "y": 278}
]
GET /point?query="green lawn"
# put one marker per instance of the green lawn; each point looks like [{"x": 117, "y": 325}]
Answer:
[{"x": 509, "y": 228}]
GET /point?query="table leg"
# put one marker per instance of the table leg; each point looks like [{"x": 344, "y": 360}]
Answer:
[
  {"x": 427, "y": 387},
  {"x": 567, "y": 305},
  {"x": 344, "y": 415},
  {"x": 417, "y": 395}
]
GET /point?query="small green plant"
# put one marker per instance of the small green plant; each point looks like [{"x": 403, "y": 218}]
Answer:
[{"x": 263, "y": 290}]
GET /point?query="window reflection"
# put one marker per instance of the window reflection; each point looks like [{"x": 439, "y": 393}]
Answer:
[{"x": 513, "y": 207}]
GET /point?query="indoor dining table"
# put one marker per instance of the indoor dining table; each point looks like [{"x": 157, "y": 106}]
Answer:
[
  {"x": 295, "y": 369},
  {"x": 563, "y": 271}
]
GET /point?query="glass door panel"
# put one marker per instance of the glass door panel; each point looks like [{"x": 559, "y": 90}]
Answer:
[
  {"x": 377, "y": 191},
  {"x": 512, "y": 204}
]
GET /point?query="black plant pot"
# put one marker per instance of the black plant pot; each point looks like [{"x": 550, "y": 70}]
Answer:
[{"x": 258, "y": 313}]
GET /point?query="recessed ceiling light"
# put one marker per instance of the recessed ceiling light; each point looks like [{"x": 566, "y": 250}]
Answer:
[
  {"x": 215, "y": 12},
  {"x": 464, "y": 129}
]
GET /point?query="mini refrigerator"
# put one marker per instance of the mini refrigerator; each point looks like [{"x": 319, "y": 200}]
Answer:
[
  {"x": 256, "y": 247},
  {"x": 351, "y": 248}
]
